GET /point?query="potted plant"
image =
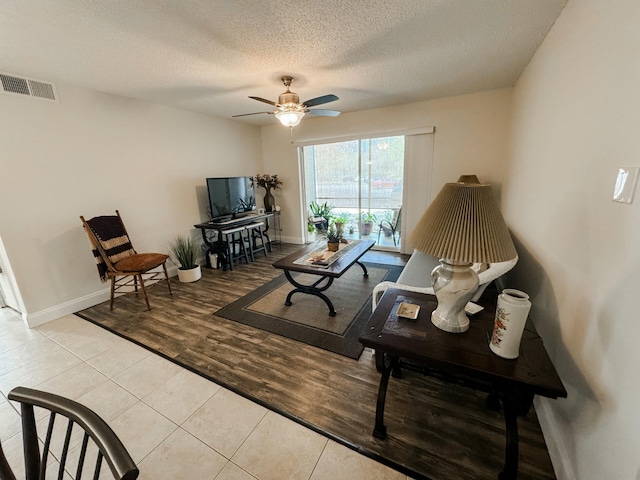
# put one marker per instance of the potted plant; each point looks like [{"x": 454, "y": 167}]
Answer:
[
  {"x": 333, "y": 238},
  {"x": 367, "y": 222},
  {"x": 268, "y": 182},
  {"x": 340, "y": 222},
  {"x": 185, "y": 253},
  {"x": 311, "y": 229},
  {"x": 321, "y": 215}
]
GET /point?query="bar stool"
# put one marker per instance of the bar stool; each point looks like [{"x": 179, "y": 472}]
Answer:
[
  {"x": 255, "y": 233},
  {"x": 232, "y": 240}
]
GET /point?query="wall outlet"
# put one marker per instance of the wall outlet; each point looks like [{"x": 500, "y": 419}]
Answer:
[{"x": 625, "y": 184}]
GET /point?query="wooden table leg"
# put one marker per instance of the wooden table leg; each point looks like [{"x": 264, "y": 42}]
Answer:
[
  {"x": 380, "y": 365},
  {"x": 510, "y": 406},
  {"x": 380, "y": 431}
]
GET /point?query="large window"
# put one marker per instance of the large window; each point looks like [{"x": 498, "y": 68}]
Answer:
[{"x": 362, "y": 180}]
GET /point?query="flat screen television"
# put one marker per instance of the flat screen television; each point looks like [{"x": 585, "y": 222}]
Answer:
[{"x": 230, "y": 197}]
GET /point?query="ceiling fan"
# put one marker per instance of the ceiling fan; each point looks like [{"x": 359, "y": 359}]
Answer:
[{"x": 289, "y": 109}]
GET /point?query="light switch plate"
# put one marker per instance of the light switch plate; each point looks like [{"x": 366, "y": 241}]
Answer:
[{"x": 625, "y": 184}]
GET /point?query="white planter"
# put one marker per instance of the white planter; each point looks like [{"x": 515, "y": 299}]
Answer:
[
  {"x": 511, "y": 315},
  {"x": 191, "y": 275}
]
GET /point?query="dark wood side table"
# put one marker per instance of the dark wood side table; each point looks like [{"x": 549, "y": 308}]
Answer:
[{"x": 464, "y": 358}]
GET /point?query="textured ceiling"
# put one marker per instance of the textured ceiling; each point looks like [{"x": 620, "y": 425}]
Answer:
[{"x": 210, "y": 55}]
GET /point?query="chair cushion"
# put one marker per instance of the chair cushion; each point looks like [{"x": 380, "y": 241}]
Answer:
[{"x": 141, "y": 262}]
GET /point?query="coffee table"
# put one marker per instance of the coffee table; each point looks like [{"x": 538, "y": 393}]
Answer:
[
  {"x": 352, "y": 254},
  {"x": 463, "y": 358}
]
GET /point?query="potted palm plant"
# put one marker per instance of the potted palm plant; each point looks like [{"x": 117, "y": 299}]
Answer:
[
  {"x": 334, "y": 237},
  {"x": 185, "y": 253}
]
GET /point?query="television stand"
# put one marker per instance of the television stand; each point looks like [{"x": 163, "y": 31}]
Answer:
[{"x": 215, "y": 245}]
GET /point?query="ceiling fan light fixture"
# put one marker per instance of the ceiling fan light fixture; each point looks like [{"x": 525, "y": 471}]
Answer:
[
  {"x": 289, "y": 108},
  {"x": 290, "y": 118}
]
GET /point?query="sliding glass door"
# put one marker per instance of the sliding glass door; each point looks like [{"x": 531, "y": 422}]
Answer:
[{"x": 362, "y": 182}]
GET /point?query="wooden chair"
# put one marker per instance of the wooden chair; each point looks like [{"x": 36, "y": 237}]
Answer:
[
  {"x": 116, "y": 257},
  {"x": 94, "y": 431}
]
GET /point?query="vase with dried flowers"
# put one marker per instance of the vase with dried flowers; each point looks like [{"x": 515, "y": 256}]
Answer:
[{"x": 268, "y": 182}]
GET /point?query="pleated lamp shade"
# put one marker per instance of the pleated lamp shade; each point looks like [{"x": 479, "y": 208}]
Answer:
[{"x": 464, "y": 224}]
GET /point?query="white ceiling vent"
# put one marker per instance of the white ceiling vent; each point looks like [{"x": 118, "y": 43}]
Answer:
[{"x": 14, "y": 85}]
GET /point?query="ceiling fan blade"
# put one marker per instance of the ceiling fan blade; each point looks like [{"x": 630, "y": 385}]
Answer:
[
  {"x": 260, "y": 99},
  {"x": 245, "y": 114},
  {"x": 320, "y": 100},
  {"x": 324, "y": 113}
]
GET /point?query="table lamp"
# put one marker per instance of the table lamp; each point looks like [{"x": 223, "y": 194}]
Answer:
[{"x": 462, "y": 226}]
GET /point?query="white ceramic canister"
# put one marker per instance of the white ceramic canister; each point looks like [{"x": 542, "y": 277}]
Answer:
[{"x": 511, "y": 316}]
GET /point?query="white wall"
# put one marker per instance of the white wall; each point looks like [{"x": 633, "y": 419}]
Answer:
[
  {"x": 575, "y": 121},
  {"x": 471, "y": 137},
  {"x": 91, "y": 154}
]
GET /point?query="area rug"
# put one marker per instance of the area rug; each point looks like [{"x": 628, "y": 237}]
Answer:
[{"x": 307, "y": 319}]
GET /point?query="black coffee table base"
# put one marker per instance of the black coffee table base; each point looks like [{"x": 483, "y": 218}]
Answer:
[{"x": 316, "y": 288}]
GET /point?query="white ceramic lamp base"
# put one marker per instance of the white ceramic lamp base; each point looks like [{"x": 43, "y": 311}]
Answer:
[{"x": 454, "y": 283}]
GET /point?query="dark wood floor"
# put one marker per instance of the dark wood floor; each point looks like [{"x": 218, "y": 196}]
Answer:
[{"x": 435, "y": 430}]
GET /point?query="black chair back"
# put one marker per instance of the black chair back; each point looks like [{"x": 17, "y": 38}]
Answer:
[{"x": 94, "y": 431}]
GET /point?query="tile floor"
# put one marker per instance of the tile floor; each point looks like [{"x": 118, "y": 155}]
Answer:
[{"x": 175, "y": 424}]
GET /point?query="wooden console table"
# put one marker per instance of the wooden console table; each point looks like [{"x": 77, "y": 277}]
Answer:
[{"x": 464, "y": 358}]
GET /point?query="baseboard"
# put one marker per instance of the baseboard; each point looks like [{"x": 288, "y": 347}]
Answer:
[
  {"x": 554, "y": 439},
  {"x": 67, "y": 308},
  {"x": 293, "y": 240},
  {"x": 73, "y": 306}
]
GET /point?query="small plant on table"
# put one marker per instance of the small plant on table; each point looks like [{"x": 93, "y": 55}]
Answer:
[{"x": 334, "y": 237}]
